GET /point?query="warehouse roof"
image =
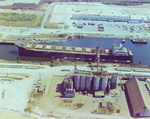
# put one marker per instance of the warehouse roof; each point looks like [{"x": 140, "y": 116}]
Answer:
[{"x": 137, "y": 95}]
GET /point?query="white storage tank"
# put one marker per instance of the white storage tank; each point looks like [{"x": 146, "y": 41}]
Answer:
[
  {"x": 88, "y": 83},
  {"x": 96, "y": 83},
  {"x": 77, "y": 82},
  {"x": 82, "y": 82}
]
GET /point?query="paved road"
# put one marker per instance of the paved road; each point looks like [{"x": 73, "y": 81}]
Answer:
[{"x": 47, "y": 14}]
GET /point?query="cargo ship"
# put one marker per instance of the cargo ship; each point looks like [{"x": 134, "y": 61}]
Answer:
[{"x": 66, "y": 52}]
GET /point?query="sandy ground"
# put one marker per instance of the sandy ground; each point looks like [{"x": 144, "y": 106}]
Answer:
[
  {"x": 14, "y": 115},
  {"x": 10, "y": 2}
]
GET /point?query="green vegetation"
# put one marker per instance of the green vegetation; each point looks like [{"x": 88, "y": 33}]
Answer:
[
  {"x": 20, "y": 20},
  {"x": 66, "y": 26},
  {"x": 78, "y": 105},
  {"x": 126, "y": 2},
  {"x": 24, "y": 6},
  {"x": 17, "y": 17},
  {"x": 67, "y": 101},
  {"x": 52, "y": 25},
  {"x": 15, "y": 78},
  {"x": 62, "y": 35},
  {"x": 33, "y": 98},
  {"x": 107, "y": 110}
]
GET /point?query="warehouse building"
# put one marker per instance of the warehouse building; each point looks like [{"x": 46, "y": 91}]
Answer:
[
  {"x": 139, "y": 97},
  {"x": 108, "y": 18}
]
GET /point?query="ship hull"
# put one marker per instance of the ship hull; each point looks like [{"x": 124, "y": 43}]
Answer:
[
  {"x": 79, "y": 56},
  {"x": 139, "y": 42}
]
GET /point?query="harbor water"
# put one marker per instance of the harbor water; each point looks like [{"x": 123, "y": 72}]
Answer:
[{"x": 142, "y": 51}]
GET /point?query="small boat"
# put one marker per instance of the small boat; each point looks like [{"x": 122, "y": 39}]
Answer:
[{"x": 123, "y": 41}]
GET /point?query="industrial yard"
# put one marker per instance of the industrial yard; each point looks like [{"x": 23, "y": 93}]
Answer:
[{"x": 39, "y": 102}]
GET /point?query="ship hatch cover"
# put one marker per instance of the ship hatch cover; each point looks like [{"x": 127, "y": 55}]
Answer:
[
  {"x": 39, "y": 46},
  {"x": 68, "y": 49},
  {"x": 29, "y": 46},
  {"x": 48, "y": 47},
  {"x": 78, "y": 49},
  {"x": 88, "y": 49},
  {"x": 58, "y": 48}
]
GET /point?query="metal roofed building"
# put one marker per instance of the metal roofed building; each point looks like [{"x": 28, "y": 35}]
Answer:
[
  {"x": 139, "y": 97},
  {"x": 108, "y": 18}
]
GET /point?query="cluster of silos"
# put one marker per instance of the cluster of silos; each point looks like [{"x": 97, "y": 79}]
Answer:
[
  {"x": 67, "y": 83},
  {"x": 100, "y": 83},
  {"x": 82, "y": 82}
]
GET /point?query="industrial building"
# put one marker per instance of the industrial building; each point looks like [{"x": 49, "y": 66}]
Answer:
[
  {"x": 84, "y": 83},
  {"x": 139, "y": 97},
  {"x": 108, "y": 18}
]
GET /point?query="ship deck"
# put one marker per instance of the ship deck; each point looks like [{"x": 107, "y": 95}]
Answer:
[{"x": 65, "y": 49}]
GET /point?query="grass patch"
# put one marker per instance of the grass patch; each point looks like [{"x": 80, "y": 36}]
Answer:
[
  {"x": 20, "y": 20},
  {"x": 1, "y": 35},
  {"x": 78, "y": 105},
  {"x": 15, "y": 78},
  {"x": 23, "y": 30},
  {"x": 109, "y": 110},
  {"x": 52, "y": 25},
  {"x": 67, "y": 101},
  {"x": 34, "y": 97}
]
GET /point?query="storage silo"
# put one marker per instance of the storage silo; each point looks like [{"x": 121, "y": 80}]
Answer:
[
  {"x": 104, "y": 83},
  {"x": 65, "y": 83},
  {"x": 88, "y": 82},
  {"x": 82, "y": 82},
  {"x": 70, "y": 84},
  {"x": 96, "y": 83},
  {"x": 77, "y": 82},
  {"x": 114, "y": 82}
]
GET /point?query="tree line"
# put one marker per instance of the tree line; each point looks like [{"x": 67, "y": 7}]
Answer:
[{"x": 15, "y": 6}]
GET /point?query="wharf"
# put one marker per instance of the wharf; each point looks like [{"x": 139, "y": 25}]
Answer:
[{"x": 8, "y": 42}]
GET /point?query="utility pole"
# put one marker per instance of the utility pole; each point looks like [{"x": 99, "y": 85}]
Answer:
[
  {"x": 98, "y": 57},
  {"x": 39, "y": 76}
]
